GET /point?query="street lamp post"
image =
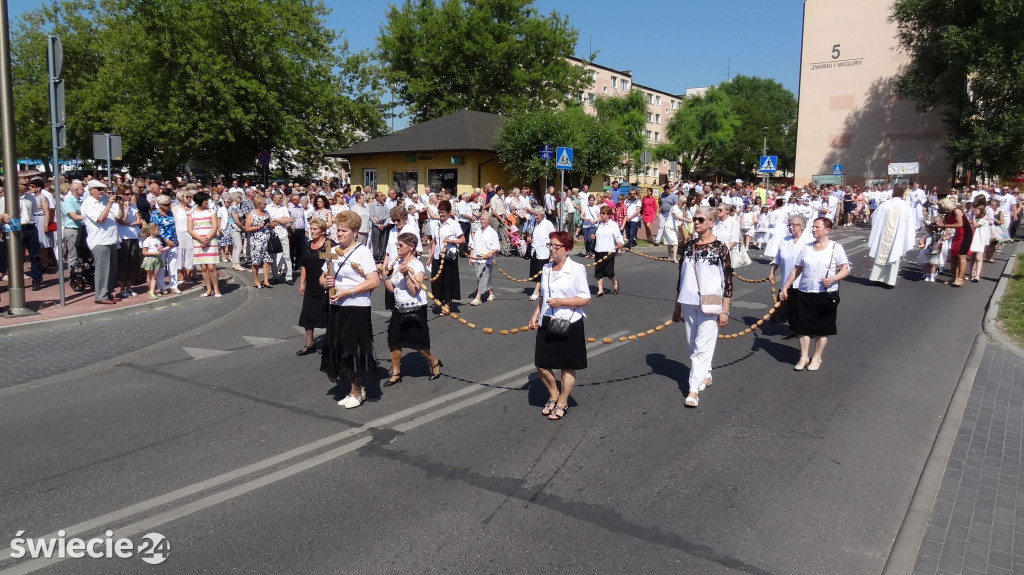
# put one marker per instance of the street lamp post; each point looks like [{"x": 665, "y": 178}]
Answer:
[{"x": 764, "y": 152}]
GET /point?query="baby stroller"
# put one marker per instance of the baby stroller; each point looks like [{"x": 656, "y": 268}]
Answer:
[
  {"x": 515, "y": 243},
  {"x": 81, "y": 278}
]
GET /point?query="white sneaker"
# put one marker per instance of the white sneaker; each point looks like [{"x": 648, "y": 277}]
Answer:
[
  {"x": 351, "y": 401},
  {"x": 475, "y": 302},
  {"x": 534, "y": 297}
]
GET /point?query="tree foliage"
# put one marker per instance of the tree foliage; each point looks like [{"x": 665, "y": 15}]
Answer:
[
  {"x": 700, "y": 131},
  {"x": 966, "y": 63},
  {"x": 209, "y": 82},
  {"x": 628, "y": 115},
  {"x": 597, "y": 145},
  {"x": 759, "y": 103},
  {"x": 498, "y": 56}
]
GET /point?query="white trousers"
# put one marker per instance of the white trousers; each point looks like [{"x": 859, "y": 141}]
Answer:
[
  {"x": 171, "y": 267},
  {"x": 701, "y": 337},
  {"x": 663, "y": 223},
  {"x": 283, "y": 259}
]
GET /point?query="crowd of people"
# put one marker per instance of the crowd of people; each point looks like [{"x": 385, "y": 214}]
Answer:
[{"x": 341, "y": 243}]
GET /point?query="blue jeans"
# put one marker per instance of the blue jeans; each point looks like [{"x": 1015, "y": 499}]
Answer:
[{"x": 631, "y": 229}]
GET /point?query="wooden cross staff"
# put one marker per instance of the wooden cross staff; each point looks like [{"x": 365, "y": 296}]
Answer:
[{"x": 329, "y": 256}]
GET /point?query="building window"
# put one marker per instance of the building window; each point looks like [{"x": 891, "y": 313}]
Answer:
[
  {"x": 590, "y": 98},
  {"x": 604, "y": 90},
  {"x": 658, "y": 100},
  {"x": 675, "y": 104},
  {"x": 650, "y": 98},
  {"x": 657, "y": 136},
  {"x": 370, "y": 179},
  {"x": 650, "y": 117},
  {"x": 625, "y": 85},
  {"x": 615, "y": 82},
  {"x": 657, "y": 118}
]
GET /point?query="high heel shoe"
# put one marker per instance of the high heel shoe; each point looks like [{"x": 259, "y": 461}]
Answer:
[
  {"x": 435, "y": 376},
  {"x": 257, "y": 286},
  {"x": 395, "y": 378},
  {"x": 615, "y": 290}
]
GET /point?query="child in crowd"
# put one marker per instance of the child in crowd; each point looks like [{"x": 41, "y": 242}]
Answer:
[
  {"x": 930, "y": 258},
  {"x": 152, "y": 249}
]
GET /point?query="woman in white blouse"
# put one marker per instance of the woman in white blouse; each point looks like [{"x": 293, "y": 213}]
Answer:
[
  {"x": 608, "y": 242},
  {"x": 705, "y": 269},
  {"x": 816, "y": 275},
  {"x": 408, "y": 326},
  {"x": 591, "y": 214},
  {"x": 449, "y": 235},
  {"x": 784, "y": 262},
  {"x": 565, "y": 293},
  {"x": 539, "y": 243},
  {"x": 348, "y": 345}
]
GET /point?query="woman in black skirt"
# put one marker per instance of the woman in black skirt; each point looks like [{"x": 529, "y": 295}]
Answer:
[
  {"x": 819, "y": 267},
  {"x": 608, "y": 241},
  {"x": 408, "y": 327},
  {"x": 448, "y": 234},
  {"x": 541, "y": 253},
  {"x": 348, "y": 344},
  {"x": 564, "y": 293},
  {"x": 313, "y": 315}
]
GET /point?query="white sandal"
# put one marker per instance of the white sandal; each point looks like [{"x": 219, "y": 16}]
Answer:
[
  {"x": 800, "y": 365},
  {"x": 704, "y": 384},
  {"x": 815, "y": 364},
  {"x": 691, "y": 401}
]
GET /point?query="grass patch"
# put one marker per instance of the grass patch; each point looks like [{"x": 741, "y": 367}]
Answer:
[{"x": 1011, "y": 307}]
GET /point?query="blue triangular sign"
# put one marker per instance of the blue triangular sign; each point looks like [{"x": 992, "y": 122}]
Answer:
[{"x": 564, "y": 160}]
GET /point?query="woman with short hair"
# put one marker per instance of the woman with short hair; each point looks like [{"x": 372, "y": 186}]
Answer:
[
  {"x": 705, "y": 269},
  {"x": 960, "y": 243},
  {"x": 186, "y": 250},
  {"x": 258, "y": 225},
  {"x": 539, "y": 243},
  {"x": 312, "y": 315},
  {"x": 408, "y": 326},
  {"x": 784, "y": 262},
  {"x": 348, "y": 344},
  {"x": 819, "y": 268},
  {"x": 565, "y": 294},
  {"x": 446, "y": 240},
  {"x": 203, "y": 226},
  {"x": 608, "y": 241},
  {"x": 163, "y": 217}
]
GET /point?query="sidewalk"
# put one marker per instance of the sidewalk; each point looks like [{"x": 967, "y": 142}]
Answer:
[
  {"x": 81, "y": 306},
  {"x": 975, "y": 520}
]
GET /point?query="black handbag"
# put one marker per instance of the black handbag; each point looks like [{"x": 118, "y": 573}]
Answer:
[
  {"x": 408, "y": 316},
  {"x": 274, "y": 245},
  {"x": 557, "y": 326}
]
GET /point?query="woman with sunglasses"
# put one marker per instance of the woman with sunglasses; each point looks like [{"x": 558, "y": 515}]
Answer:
[
  {"x": 447, "y": 287},
  {"x": 608, "y": 241},
  {"x": 565, "y": 292},
  {"x": 408, "y": 326},
  {"x": 705, "y": 269}
]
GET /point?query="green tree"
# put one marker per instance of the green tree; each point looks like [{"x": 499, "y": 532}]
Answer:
[
  {"x": 966, "y": 64},
  {"x": 760, "y": 103},
  {"x": 597, "y": 145},
  {"x": 629, "y": 115},
  {"x": 498, "y": 56},
  {"x": 700, "y": 131},
  {"x": 205, "y": 82}
]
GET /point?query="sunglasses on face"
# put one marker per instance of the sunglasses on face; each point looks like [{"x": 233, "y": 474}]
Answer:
[{"x": 699, "y": 220}]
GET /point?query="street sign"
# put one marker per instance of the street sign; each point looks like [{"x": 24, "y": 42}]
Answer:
[
  {"x": 837, "y": 169},
  {"x": 546, "y": 152},
  {"x": 645, "y": 157},
  {"x": 564, "y": 161},
  {"x": 263, "y": 157},
  {"x": 768, "y": 164},
  {"x": 822, "y": 179}
]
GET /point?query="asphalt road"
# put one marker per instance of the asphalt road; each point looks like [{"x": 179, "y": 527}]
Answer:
[{"x": 244, "y": 461}]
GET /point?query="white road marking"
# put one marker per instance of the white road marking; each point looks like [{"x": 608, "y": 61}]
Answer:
[{"x": 200, "y": 353}]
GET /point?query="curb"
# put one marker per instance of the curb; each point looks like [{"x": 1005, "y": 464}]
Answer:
[
  {"x": 989, "y": 324},
  {"x": 89, "y": 317},
  {"x": 907, "y": 545}
]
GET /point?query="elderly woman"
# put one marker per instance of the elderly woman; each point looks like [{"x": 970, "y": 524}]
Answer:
[
  {"x": 591, "y": 215},
  {"x": 705, "y": 272},
  {"x": 539, "y": 243},
  {"x": 348, "y": 344},
  {"x": 785, "y": 260},
  {"x": 185, "y": 249},
  {"x": 258, "y": 225},
  {"x": 310, "y": 263},
  {"x": 129, "y": 255},
  {"x": 164, "y": 218},
  {"x": 364, "y": 214},
  {"x": 445, "y": 251},
  {"x": 819, "y": 268},
  {"x": 608, "y": 241},
  {"x": 558, "y": 319},
  {"x": 963, "y": 234},
  {"x": 236, "y": 222},
  {"x": 408, "y": 326}
]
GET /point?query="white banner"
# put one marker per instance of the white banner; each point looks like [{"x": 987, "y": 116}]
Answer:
[{"x": 904, "y": 168}]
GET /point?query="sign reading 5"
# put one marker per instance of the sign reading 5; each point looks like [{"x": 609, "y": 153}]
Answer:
[{"x": 835, "y": 52}]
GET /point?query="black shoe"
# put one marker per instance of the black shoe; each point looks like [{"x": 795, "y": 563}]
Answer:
[
  {"x": 395, "y": 378},
  {"x": 306, "y": 350},
  {"x": 37, "y": 287},
  {"x": 290, "y": 282},
  {"x": 435, "y": 376}
]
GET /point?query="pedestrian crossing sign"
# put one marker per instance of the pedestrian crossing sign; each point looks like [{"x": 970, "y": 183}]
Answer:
[
  {"x": 769, "y": 164},
  {"x": 563, "y": 158},
  {"x": 837, "y": 169}
]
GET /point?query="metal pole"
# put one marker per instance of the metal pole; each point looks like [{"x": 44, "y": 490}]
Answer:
[
  {"x": 561, "y": 220},
  {"x": 58, "y": 218},
  {"x": 15, "y": 248},
  {"x": 764, "y": 152},
  {"x": 110, "y": 152}
]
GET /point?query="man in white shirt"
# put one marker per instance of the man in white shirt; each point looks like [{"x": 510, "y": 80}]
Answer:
[
  {"x": 484, "y": 245},
  {"x": 464, "y": 213},
  {"x": 235, "y": 188},
  {"x": 632, "y": 223},
  {"x": 498, "y": 210},
  {"x": 100, "y": 212},
  {"x": 279, "y": 216}
]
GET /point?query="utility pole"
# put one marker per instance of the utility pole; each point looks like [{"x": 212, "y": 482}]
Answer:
[
  {"x": 764, "y": 152},
  {"x": 15, "y": 247}
]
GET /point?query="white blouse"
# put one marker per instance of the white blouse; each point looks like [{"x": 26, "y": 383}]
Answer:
[
  {"x": 449, "y": 230},
  {"x": 819, "y": 264},
  {"x": 347, "y": 277},
  {"x": 608, "y": 237},
  {"x": 402, "y": 296},
  {"x": 787, "y": 256},
  {"x": 570, "y": 281},
  {"x": 541, "y": 239}
]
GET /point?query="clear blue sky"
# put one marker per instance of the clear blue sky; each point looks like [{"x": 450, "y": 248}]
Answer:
[{"x": 670, "y": 45}]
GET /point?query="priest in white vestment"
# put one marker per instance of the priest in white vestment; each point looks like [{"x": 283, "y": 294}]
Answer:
[{"x": 892, "y": 236}]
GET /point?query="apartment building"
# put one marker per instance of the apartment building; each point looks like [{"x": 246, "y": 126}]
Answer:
[{"x": 661, "y": 105}]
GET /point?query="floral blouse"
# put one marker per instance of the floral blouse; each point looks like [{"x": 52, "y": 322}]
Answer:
[{"x": 712, "y": 263}]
